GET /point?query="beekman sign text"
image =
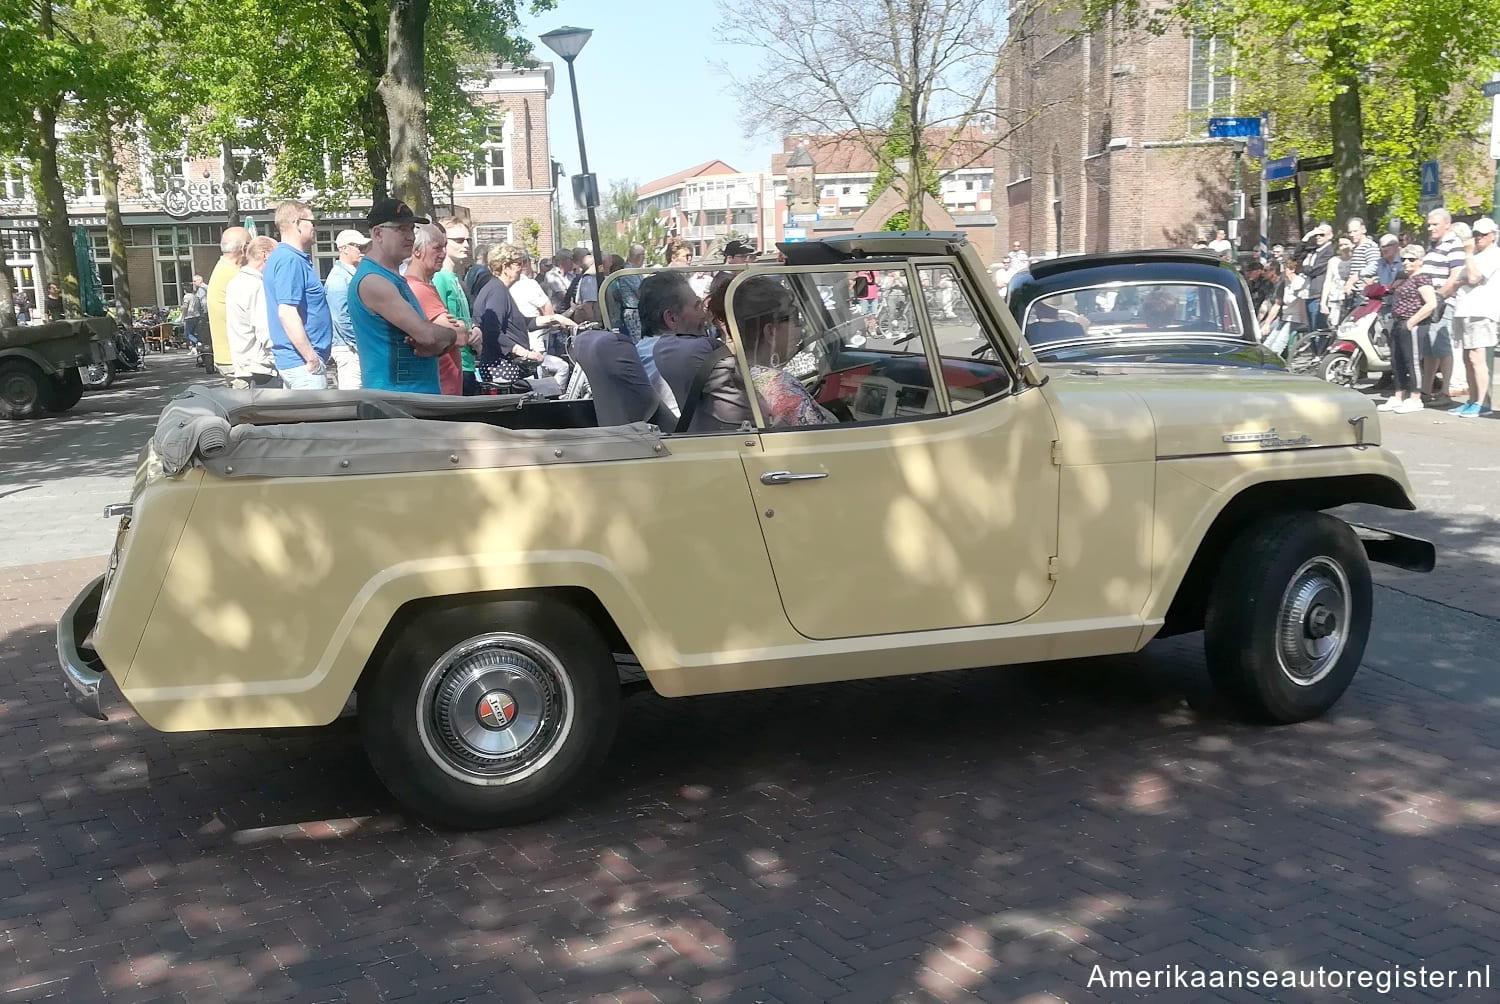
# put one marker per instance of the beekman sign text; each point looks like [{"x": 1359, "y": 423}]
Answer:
[{"x": 184, "y": 198}]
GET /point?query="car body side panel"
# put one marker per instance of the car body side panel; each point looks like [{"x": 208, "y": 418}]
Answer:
[
  {"x": 280, "y": 588},
  {"x": 144, "y": 554},
  {"x": 1192, "y": 491}
]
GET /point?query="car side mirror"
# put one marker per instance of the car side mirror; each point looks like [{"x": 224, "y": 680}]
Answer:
[{"x": 861, "y": 287}]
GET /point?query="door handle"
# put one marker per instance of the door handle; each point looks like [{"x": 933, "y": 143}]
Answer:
[{"x": 787, "y": 477}]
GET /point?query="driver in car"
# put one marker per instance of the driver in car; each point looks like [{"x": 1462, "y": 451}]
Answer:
[{"x": 1159, "y": 308}]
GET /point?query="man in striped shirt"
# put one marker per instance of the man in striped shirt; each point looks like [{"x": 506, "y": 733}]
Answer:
[
  {"x": 1444, "y": 264},
  {"x": 1361, "y": 263}
]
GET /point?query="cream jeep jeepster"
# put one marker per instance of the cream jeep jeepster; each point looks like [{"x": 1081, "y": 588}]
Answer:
[{"x": 489, "y": 574}]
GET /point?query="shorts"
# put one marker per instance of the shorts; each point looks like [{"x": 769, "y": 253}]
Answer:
[
  {"x": 1433, "y": 340},
  {"x": 1475, "y": 332}
]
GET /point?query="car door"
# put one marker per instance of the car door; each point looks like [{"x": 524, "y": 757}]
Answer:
[{"x": 928, "y": 498}]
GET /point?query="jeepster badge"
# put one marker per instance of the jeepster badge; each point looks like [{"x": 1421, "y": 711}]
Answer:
[
  {"x": 497, "y": 710},
  {"x": 1267, "y": 440}
]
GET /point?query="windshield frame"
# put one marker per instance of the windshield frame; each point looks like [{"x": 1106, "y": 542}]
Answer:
[{"x": 1165, "y": 337}]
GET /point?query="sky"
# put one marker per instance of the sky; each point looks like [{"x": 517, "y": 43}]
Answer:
[{"x": 652, "y": 104}]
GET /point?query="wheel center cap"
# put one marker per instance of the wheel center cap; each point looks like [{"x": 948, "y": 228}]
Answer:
[
  {"x": 496, "y": 710},
  {"x": 1321, "y": 622}
]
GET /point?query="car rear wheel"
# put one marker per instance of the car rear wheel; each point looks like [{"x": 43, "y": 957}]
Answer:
[
  {"x": 67, "y": 390},
  {"x": 491, "y": 715},
  {"x": 1288, "y": 616},
  {"x": 25, "y": 390}
]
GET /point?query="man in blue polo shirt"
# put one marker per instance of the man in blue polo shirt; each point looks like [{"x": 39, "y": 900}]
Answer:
[{"x": 297, "y": 307}]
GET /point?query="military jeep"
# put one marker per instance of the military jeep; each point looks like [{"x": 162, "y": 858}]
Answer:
[{"x": 39, "y": 363}]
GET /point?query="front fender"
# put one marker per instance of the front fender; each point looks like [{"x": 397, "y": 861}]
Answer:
[{"x": 1202, "y": 499}]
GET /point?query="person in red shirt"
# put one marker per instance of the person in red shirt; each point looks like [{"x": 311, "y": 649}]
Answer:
[{"x": 429, "y": 248}]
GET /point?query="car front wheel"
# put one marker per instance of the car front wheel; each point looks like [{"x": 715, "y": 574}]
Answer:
[
  {"x": 1288, "y": 616},
  {"x": 491, "y": 715}
]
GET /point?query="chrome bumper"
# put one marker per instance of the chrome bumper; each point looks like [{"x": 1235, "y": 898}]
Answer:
[{"x": 80, "y": 665}]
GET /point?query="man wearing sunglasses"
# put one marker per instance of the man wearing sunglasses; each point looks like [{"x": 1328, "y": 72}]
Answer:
[
  {"x": 398, "y": 346},
  {"x": 296, "y": 303}
]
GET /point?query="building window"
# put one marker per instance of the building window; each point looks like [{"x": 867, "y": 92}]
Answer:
[
  {"x": 13, "y": 180},
  {"x": 489, "y": 159},
  {"x": 93, "y": 184},
  {"x": 21, "y": 251},
  {"x": 173, "y": 247},
  {"x": 1209, "y": 85}
]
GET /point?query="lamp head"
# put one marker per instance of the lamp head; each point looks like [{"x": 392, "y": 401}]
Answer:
[{"x": 567, "y": 42}]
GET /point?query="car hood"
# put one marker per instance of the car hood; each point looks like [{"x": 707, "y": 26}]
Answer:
[
  {"x": 1202, "y": 410},
  {"x": 1209, "y": 351}
]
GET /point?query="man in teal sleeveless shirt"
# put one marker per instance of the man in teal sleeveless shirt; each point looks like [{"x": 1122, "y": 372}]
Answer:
[{"x": 398, "y": 347}]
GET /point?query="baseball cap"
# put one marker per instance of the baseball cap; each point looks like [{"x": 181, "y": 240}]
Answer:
[
  {"x": 1485, "y": 225},
  {"x": 1389, "y": 239},
  {"x": 392, "y": 211},
  {"x": 738, "y": 247},
  {"x": 347, "y": 237}
]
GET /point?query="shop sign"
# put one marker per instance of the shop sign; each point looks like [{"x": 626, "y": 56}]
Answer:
[{"x": 184, "y": 198}]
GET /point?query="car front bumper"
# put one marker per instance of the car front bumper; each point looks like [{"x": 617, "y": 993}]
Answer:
[{"x": 80, "y": 664}]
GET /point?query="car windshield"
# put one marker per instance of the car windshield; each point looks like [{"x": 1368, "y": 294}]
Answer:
[{"x": 1148, "y": 311}]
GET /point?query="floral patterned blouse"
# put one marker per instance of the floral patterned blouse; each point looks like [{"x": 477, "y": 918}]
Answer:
[{"x": 784, "y": 401}]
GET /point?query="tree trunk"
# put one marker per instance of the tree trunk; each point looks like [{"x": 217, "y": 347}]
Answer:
[
  {"x": 52, "y": 210},
  {"x": 1346, "y": 126},
  {"x": 231, "y": 185},
  {"x": 7, "y": 300},
  {"x": 109, "y": 180},
  {"x": 915, "y": 183},
  {"x": 403, "y": 88}
]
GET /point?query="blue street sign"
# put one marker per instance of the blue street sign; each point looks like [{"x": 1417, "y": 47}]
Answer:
[
  {"x": 1491, "y": 89},
  {"x": 1234, "y": 126},
  {"x": 1280, "y": 169},
  {"x": 1432, "y": 183}
]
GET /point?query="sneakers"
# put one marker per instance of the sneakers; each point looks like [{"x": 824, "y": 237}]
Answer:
[
  {"x": 1408, "y": 406},
  {"x": 1389, "y": 404},
  {"x": 1461, "y": 409},
  {"x": 1471, "y": 410}
]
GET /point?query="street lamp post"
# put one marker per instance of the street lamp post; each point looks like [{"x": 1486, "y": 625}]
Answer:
[{"x": 568, "y": 43}]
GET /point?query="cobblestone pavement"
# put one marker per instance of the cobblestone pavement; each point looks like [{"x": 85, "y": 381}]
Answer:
[{"x": 966, "y": 836}]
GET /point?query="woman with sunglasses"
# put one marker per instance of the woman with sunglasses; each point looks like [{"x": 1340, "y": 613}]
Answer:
[{"x": 771, "y": 331}]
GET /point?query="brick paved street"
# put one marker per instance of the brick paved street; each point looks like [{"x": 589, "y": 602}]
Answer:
[{"x": 983, "y": 835}]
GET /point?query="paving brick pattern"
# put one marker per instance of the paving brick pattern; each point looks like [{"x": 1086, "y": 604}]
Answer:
[{"x": 988, "y": 835}]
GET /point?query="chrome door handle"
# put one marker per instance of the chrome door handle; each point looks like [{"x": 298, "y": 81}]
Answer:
[{"x": 787, "y": 477}]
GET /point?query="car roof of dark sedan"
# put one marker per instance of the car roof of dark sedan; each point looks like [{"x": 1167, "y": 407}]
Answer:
[{"x": 1048, "y": 267}]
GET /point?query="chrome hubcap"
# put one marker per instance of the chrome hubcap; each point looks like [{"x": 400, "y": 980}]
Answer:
[
  {"x": 495, "y": 709},
  {"x": 1312, "y": 626}
]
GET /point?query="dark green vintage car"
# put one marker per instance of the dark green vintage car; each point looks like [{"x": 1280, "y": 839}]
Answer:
[{"x": 39, "y": 363}]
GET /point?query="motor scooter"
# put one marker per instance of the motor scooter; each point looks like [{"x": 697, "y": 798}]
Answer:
[{"x": 1361, "y": 348}]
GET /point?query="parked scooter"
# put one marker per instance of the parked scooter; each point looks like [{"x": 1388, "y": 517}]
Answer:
[{"x": 1361, "y": 348}]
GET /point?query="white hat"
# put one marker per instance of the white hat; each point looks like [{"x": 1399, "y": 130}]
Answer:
[
  {"x": 1485, "y": 225},
  {"x": 350, "y": 237}
]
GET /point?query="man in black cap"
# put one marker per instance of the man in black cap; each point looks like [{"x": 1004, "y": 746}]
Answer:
[
  {"x": 398, "y": 346},
  {"x": 739, "y": 252}
]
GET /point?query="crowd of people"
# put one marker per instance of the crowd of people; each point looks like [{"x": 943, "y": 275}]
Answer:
[
  {"x": 1438, "y": 298},
  {"x": 409, "y": 308}
]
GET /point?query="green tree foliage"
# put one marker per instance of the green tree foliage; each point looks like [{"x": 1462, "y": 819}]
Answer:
[
  {"x": 1385, "y": 85},
  {"x": 898, "y": 147}
]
